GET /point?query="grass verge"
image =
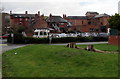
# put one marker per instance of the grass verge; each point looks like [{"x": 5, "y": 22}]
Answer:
[{"x": 59, "y": 61}]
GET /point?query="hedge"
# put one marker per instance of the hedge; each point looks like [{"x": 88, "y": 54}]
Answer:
[{"x": 19, "y": 39}]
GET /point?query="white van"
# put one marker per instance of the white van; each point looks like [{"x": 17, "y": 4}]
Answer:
[{"x": 41, "y": 33}]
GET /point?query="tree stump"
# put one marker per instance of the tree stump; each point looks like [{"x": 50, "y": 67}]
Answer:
[
  {"x": 72, "y": 45},
  {"x": 90, "y": 48}
]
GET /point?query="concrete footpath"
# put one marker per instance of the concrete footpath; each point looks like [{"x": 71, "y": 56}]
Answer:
[
  {"x": 84, "y": 43},
  {"x": 5, "y": 47}
]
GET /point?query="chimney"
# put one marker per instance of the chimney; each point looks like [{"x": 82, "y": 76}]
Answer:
[
  {"x": 38, "y": 13},
  {"x": 26, "y": 12},
  {"x": 10, "y": 12},
  {"x": 50, "y": 17},
  {"x": 63, "y": 16}
]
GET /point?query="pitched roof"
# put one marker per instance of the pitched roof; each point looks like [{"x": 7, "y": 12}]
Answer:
[
  {"x": 92, "y": 12},
  {"x": 56, "y": 19},
  {"x": 22, "y": 15},
  {"x": 77, "y": 17},
  {"x": 101, "y": 15}
]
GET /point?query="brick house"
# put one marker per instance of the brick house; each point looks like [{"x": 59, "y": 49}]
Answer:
[
  {"x": 29, "y": 21},
  {"x": 92, "y": 22},
  {"x": 57, "y": 23},
  {"x": 5, "y": 23}
]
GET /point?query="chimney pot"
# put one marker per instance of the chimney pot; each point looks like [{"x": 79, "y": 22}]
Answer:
[
  {"x": 26, "y": 12},
  {"x": 39, "y": 13},
  {"x": 10, "y": 12}
]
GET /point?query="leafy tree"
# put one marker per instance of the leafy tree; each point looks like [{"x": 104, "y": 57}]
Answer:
[{"x": 114, "y": 22}]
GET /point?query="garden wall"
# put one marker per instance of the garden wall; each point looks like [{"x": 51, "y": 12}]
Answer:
[{"x": 114, "y": 39}]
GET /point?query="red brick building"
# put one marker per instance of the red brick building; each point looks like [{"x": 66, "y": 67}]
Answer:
[
  {"x": 5, "y": 23},
  {"x": 29, "y": 21},
  {"x": 92, "y": 22},
  {"x": 57, "y": 23}
]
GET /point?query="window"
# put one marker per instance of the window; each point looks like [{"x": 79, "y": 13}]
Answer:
[
  {"x": 82, "y": 22},
  {"x": 89, "y": 22},
  {"x": 41, "y": 33},
  {"x": 45, "y": 33},
  {"x": 36, "y": 33},
  {"x": 91, "y": 29}
]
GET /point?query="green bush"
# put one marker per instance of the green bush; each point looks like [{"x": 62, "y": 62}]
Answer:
[
  {"x": 35, "y": 40},
  {"x": 19, "y": 39},
  {"x": 16, "y": 39}
]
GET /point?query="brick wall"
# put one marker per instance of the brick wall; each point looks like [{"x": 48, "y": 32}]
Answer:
[{"x": 114, "y": 40}]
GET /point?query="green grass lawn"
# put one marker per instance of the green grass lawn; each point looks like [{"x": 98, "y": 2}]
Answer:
[
  {"x": 104, "y": 47},
  {"x": 59, "y": 61}
]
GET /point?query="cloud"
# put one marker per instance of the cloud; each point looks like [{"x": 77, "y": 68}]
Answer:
[{"x": 59, "y": 7}]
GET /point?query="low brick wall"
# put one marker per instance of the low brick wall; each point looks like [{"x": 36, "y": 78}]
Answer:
[{"x": 114, "y": 40}]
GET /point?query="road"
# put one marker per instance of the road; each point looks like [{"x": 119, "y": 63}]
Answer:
[
  {"x": 85, "y": 43},
  {"x": 5, "y": 47}
]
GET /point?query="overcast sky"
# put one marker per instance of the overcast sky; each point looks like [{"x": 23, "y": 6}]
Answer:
[{"x": 60, "y": 7}]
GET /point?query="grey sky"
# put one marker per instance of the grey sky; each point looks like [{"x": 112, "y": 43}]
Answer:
[{"x": 59, "y": 7}]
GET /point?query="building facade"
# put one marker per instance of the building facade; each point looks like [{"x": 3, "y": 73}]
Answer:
[
  {"x": 92, "y": 22},
  {"x": 30, "y": 22}
]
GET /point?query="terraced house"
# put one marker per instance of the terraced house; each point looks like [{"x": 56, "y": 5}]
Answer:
[{"x": 91, "y": 22}]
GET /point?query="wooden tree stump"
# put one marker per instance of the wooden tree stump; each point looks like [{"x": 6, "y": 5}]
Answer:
[
  {"x": 72, "y": 45},
  {"x": 90, "y": 48}
]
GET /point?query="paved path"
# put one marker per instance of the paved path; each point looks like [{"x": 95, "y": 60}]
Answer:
[
  {"x": 85, "y": 43},
  {"x": 5, "y": 47},
  {"x": 11, "y": 46}
]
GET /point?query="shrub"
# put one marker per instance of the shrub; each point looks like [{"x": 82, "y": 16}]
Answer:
[{"x": 19, "y": 39}]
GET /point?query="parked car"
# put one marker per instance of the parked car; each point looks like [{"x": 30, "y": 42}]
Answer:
[
  {"x": 85, "y": 34},
  {"x": 4, "y": 36},
  {"x": 59, "y": 35},
  {"x": 94, "y": 34},
  {"x": 103, "y": 34},
  {"x": 72, "y": 35}
]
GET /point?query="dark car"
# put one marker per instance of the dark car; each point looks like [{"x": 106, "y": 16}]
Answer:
[{"x": 4, "y": 36}]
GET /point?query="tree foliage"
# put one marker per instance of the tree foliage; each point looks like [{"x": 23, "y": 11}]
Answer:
[{"x": 114, "y": 22}]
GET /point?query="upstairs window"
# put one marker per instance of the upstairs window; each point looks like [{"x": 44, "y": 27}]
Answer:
[
  {"x": 82, "y": 22},
  {"x": 89, "y": 22}
]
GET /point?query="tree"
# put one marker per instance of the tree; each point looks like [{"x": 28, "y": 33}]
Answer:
[{"x": 114, "y": 22}]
